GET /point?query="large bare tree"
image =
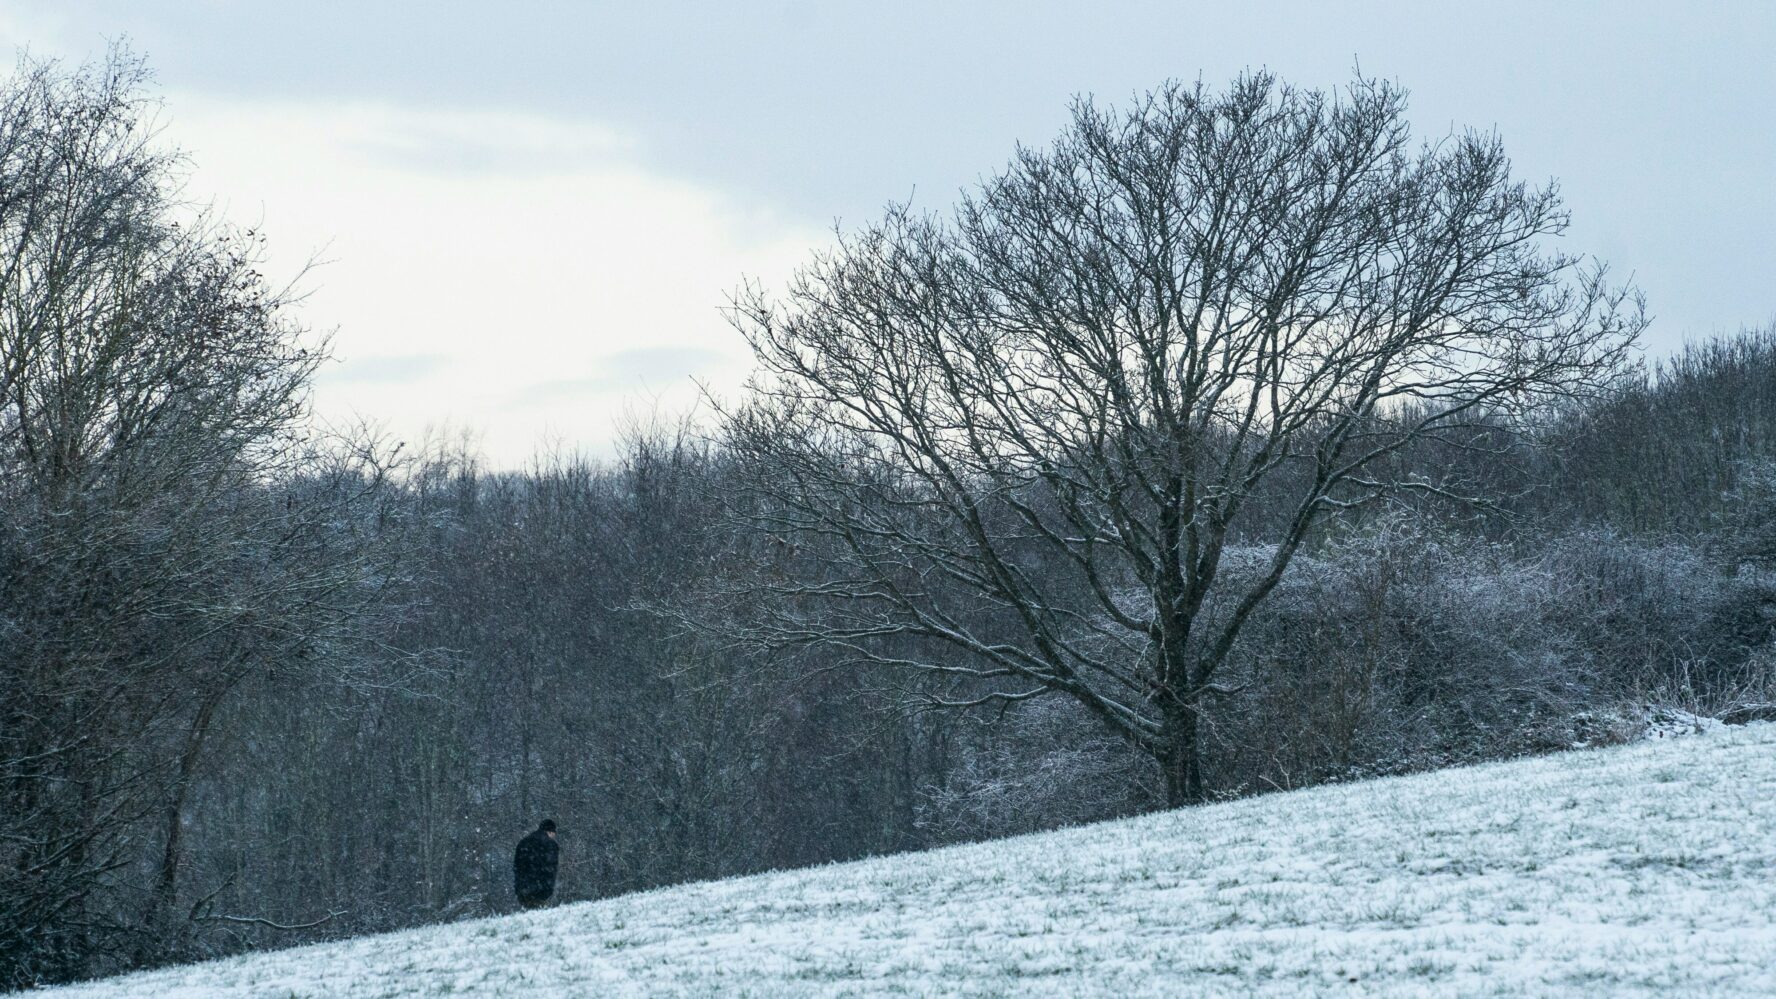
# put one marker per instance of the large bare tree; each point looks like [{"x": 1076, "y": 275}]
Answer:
[{"x": 1027, "y": 438}]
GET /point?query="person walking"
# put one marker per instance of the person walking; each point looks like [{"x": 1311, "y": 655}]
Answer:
[{"x": 533, "y": 866}]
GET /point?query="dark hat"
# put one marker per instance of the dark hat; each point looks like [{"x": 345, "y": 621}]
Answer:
[{"x": 548, "y": 825}]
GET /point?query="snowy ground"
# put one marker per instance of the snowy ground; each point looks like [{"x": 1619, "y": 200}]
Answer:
[{"x": 1642, "y": 870}]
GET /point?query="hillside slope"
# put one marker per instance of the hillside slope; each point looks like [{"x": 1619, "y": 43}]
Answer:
[{"x": 1647, "y": 869}]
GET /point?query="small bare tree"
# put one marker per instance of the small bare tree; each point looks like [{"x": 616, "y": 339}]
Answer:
[{"x": 1028, "y": 438}]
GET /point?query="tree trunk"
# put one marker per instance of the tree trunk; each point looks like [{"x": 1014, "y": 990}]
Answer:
[
  {"x": 166, "y": 891},
  {"x": 1181, "y": 762}
]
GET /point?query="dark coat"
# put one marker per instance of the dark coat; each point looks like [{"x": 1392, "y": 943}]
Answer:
[{"x": 533, "y": 867}]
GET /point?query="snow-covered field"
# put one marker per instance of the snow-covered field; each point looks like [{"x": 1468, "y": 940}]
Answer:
[{"x": 1642, "y": 870}]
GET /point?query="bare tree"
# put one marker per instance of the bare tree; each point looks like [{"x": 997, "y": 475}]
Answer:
[
  {"x": 1029, "y": 440},
  {"x": 169, "y": 524}
]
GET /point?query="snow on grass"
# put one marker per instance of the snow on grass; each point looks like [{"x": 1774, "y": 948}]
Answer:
[{"x": 1642, "y": 870}]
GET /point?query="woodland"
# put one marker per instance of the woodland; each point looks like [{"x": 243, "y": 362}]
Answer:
[{"x": 1236, "y": 441}]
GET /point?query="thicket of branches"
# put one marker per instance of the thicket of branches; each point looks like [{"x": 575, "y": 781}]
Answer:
[{"x": 259, "y": 686}]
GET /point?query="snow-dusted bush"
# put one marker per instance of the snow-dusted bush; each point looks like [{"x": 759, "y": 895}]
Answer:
[
  {"x": 1664, "y": 622},
  {"x": 1048, "y": 766},
  {"x": 1393, "y": 648},
  {"x": 996, "y": 791},
  {"x": 1404, "y": 645}
]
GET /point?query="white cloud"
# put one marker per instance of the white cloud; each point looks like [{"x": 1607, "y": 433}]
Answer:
[{"x": 472, "y": 258}]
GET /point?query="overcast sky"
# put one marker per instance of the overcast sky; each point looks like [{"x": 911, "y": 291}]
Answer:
[{"x": 530, "y": 212}]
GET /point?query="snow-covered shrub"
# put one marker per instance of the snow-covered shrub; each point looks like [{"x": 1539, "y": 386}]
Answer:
[
  {"x": 1665, "y": 622},
  {"x": 1399, "y": 647},
  {"x": 1405, "y": 645},
  {"x": 1046, "y": 766},
  {"x": 1745, "y": 525}
]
